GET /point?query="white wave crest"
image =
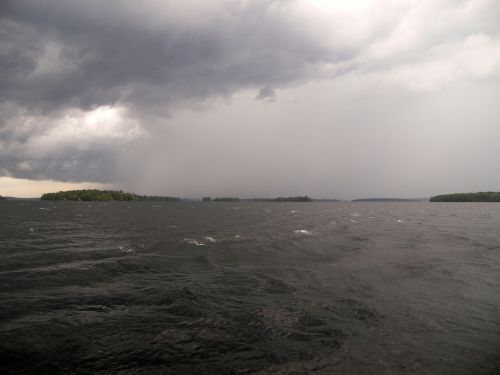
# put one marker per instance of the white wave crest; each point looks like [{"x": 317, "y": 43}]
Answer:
[
  {"x": 191, "y": 241},
  {"x": 302, "y": 231}
]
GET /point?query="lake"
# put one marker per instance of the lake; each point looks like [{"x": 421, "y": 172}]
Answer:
[{"x": 249, "y": 288}]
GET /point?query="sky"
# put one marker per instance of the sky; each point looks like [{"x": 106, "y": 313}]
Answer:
[{"x": 261, "y": 98}]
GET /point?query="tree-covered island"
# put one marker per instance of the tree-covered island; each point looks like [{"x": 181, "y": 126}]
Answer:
[
  {"x": 226, "y": 199},
  {"x": 485, "y": 196},
  {"x": 304, "y": 198},
  {"x": 102, "y": 196}
]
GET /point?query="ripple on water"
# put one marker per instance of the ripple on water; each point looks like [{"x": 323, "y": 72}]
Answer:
[{"x": 303, "y": 293}]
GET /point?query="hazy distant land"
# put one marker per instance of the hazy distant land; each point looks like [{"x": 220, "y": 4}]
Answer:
[
  {"x": 304, "y": 198},
  {"x": 391, "y": 200},
  {"x": 226, "y": 199}
]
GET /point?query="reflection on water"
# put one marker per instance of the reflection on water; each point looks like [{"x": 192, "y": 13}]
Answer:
[{"x": 267, "y": 288}]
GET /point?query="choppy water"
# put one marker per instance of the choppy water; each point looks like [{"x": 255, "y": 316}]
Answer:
[{"x": 237, "y": 288}]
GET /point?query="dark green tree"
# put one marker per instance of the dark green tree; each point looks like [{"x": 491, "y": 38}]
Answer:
[
  {"x": 484, "y": 196},
  {"x": 102, "y": 196}
]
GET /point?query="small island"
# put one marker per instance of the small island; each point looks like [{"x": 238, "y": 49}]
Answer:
[
  {"x": 486, "y": 196},
  {"x": 2, "y": 198},
  {"x": 304, "y": 198},
  {"x": 279, "y": 199},
  {"x": 102, "y": 196},
  {"x": 226, "y": 199}
]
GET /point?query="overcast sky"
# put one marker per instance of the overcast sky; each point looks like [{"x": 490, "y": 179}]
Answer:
[{"x": 339, "y": 99}]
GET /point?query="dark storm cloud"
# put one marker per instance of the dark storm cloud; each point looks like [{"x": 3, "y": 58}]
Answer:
[
  {"x": 148, "y": 57},
  {"x": 111, "y": 90},
  {"x": 91, "y": 164},
  {"x": 38, "y": 147},
  {"x": 266, "y": 93},
  {"x": 93, "y": 53}
]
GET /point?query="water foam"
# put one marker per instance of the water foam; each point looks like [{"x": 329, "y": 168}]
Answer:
[
  {"x": 302, "y": 231},
  {"x": 191, "y": 241}
]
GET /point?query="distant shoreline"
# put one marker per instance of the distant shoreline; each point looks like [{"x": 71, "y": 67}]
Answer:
[{"x": 94, "y": 195}]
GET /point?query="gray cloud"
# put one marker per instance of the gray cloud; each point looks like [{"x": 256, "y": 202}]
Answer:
[
  {"x": 60, "y": 55},
  {"x": 266, "y": 93},
  {"x": 92, "y": 53},
  {"x": 96, "y": 91}
]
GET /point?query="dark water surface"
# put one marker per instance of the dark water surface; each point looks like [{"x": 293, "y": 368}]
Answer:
[{"x": 238, "y": 288}]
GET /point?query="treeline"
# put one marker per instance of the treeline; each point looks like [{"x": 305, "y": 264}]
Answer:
[
  {"x": 102, "y": 196},
  {"x": 304, "y": 198},
  {"x": 487, "y": 196}
]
